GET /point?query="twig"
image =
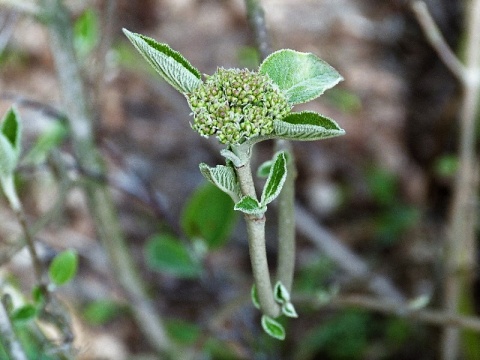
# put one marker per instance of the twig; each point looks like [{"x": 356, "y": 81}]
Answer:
[
  {"x": 436, "y": 39},
  {"x": 256, "y": 19},
  {"x": 433, "y": 317},
  {"x": 6, "y": 29},
  {"x": 7, "y": 336},
  {"x": 343, "y": 257}
]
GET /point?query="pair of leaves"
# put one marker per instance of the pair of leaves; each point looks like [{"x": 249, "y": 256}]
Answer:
[
  {"x": 273, "y": 186},
  {"x": 10, "y": 137}
]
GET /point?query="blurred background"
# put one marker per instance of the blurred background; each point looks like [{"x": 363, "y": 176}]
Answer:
[{"x": 380, "y": 195}]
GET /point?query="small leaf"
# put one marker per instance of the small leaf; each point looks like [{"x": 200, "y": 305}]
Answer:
[
  {"x": 254, "y": 295},
  {"x": 229, "y": 155},
  {"x": 209, "y": 215},
  {"x": 168, "y": 254},
  {"x": 250, "y": 206},
  {"x": 86, "y": 32},
  {"x": 24, "y": 313},
  {"x": 63, "y": 267},
  {"x": 302, "y": 76},
  {"x": 224, "y": 178},
  {"x": 276, "y": 179},
  {"x": 264, "y": 169},
  {"x": 281, "y": 293},
  {"x": 170, "y": 64},
  {"x": 289, "y": 310},
  {"x": 100, "y": 312},
  {"x": 45, "y": 143},
  {"x": 306, "y": 125},
  {"x": 273, "y": 328},
  {"x": 10, "y": 134}
]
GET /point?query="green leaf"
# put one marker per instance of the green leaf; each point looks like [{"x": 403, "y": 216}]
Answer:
[
  {"x": 10, "y": 136},
  {"x": 276, "y": 179},
  {"x": 306, "y": 125},
  {"x": 302, "y": 76},
  {"x": 209, "y": 215},
  {"x": 100, "y": 312},
  {"x": 273, "y": 328},
  {"x": 281, "y": 293},
  {"x": 224, "y": 178},
  {"x": 46, "y": 142},
  {"x": 24, "y": 313},
  {"x": 250, "y": 206},
  {"x": 183, "y": 332},
  {"x": 289, "y": 310},
  {"x": 63, "y": 267},
  {"x": 166, "y": 253},
  {"x": 86, "y": 32},
  {"x": 254, "y": 295},
  {"x": 170, "y": 64}
]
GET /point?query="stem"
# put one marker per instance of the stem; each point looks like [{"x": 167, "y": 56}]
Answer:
[
  {"x": 461, "y": 242},
  {"x": 8, "y": 338},
  {"x": 100, "y": 201},
  {"x": 257, "y": 248},
  {"x": 286, "y": 220},
  {"x": 256, "y": 19}
]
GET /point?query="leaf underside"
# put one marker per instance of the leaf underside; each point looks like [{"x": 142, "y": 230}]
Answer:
[
  {"x": 306, "y": 126},
  {"x": 301, "y": 76},
  {"x": 250, "y": 206},
  {"x": 275, "y": 180},
  {"x": 222, "y": 177},
  {"x": 170, "y": 64}
]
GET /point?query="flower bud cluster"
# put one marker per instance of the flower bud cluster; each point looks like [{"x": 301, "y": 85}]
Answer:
[{"x": 236, "y": 105}]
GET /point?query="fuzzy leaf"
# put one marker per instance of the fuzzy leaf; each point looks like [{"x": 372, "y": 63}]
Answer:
[
  {"x": 281, "y": 293},
  {"x": 289, "y": 310},
  {"x": 251, "y": 206},
  {"x": 63, "y": 267},
  {"x": 306, "y": 125},
  {"x": 273, "y": 328},
  {"x": 170, "y": 64},
  {"x": 254, "y": 295},
  {"x": 275, "y": 180},
  {"x": 10, "y": 134},
  {"x": 302, "y": 76},
  {"x": 224, "y": 178}
]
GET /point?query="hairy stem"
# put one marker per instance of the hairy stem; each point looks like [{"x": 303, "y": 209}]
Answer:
[
  {"x": 100, "y": 202},
  {"x": 257, "y": 248}
]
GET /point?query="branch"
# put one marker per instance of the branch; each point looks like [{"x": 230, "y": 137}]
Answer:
[
  {"x": 256, "y": 19},
  {"x": 437, "y": 41}
]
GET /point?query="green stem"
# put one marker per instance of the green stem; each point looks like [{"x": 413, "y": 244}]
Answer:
[
  {"x": 286, "y": 220},
  {"x": 8, "y": 339},
  {"x": 257, "y": 248}
]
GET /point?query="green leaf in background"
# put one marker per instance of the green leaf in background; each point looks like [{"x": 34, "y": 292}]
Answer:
[
  {"x": 224, "y": 178},
  {"x": 183, "y": 332},
  {"x": 10, "y": 135},
  {"x": 209, "y": 215},
  {"x": 306, "y": 126},
  {"x": 301, "y": 76},
  {"x": 24, "y": 313},
  {"x": 251, "y": 206},
  {"x": 100, "y": 312},
  {"x": 276, "y": 179},
  {"x": 170, "y": 64},
  {"x": 63, "y": 267},
  {"x": 273, "y": 328},
  {"x": 45, "y": 143},
  {"x": 166, "y": 253},
  {"x": 86, "y": 32},
  {"x": 264, "y": 169}
]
